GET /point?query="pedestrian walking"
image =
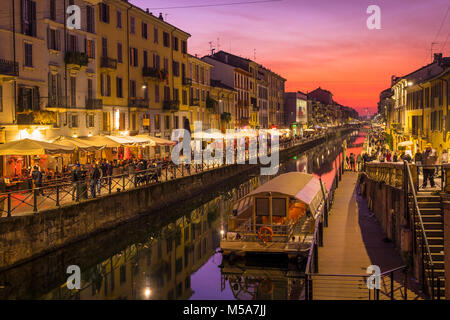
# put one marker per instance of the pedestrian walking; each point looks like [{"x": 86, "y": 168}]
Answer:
[
  {"x": 75, "y": 176},
  {"x": 36, "y": 175},
  {"x": 429, "y": 159},
  {"x": 95, "y": 176},
  {"x": 359, "y": 161},
  {"x": 352, "y": 162}
]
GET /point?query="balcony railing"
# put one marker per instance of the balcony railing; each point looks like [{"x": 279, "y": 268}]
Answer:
[
  {"x": 155, "y": 73},
  {"x": 150, "y": 72},
  {"x": 41, "y": 117},
  {"x": 187, "y": 81},
  {"x": 194, "y": 102},
  {"x": 94, "y": 104},
  {"x": 172, "y": 105},
  {"x": 9, "y": 68},
  {"x": 211, "y": 103},
  {"x": 76, "y": 58},
  {"x": 138, "y": 102},
  {"x": 108, "y": 63}
]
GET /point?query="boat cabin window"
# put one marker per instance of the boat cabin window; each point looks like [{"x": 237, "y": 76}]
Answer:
[
  {"x": 262, "y": 207},
  {"x": 279, "y": 207}
]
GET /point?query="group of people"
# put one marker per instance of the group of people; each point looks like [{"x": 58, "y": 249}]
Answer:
[
  {"x": 102, "y": 171},
  {"x": 427, "y": 161}
]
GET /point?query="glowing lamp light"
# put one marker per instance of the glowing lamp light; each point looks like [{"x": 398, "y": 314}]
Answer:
[
  {"x": 34, "y": 134},
  {"x": 90, "y": 134},
  {"x": 222, "y": 232},
  {"x": 117, "y": 119},
  {"x": 147, "y": 293},
  {"x": 74, "y": 135}
]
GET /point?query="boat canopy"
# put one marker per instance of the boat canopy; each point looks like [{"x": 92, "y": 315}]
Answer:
[{"x": 301, "y": 186}]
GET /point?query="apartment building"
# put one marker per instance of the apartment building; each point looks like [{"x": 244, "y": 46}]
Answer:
[
  {"x": 141, "y": 66},
  {"x": 47, "y": 84},
  {"x": 420, "y": 106},
  {"x": 202, "y": 107},
  {"x": 224, "y": 96}
]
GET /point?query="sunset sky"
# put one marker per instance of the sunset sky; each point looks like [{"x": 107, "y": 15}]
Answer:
[{"x": 322, "y": 43}]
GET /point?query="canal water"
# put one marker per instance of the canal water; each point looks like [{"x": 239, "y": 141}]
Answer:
[{"x": 172, "y": 254}]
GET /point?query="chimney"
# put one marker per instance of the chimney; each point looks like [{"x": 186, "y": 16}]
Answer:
[
  {"x": 393, "y": 78},
  {"x": 161, "y": 16},
  {"x": 147, "y": 10},
  {"x": 212, "y": 51},
  {"x": 438, "y": 58}
]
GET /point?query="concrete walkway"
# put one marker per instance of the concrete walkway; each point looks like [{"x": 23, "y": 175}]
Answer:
[{"x": 353, "y": 241}]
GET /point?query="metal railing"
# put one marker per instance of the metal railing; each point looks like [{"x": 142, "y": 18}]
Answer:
[
  {"x": 420, "y": 238},
  {"x": 94, "y": 104},
  {"x": 9, "y": 68},
  {"x": 389, "y": 285},
  {"x": 312, "y": 265},
  {"x": 428, "y": 173},
  {"x": 109, "y": 63},
  {"x": 60, "y": 192}
]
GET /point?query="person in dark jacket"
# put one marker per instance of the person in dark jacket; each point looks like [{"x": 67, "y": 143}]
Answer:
[
  {"x": 76, "y": 177},
  {"x": 95, "y": 177},
  {"x": 36, "y": 175},
  {"x": 429, "y": 159}
]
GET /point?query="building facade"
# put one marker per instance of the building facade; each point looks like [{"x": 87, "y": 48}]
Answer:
[
  {"x": 141, "y": 66},
  {"x": 47, "y": 71},
  {"x": 251, "y": 81},
  {"x": 419, "y": 106},
  {"x": 296, "y": 109}
]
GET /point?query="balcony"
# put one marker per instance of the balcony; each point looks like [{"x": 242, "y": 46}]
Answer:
[
  {"x": 94, "y": 104},
  {"x": 194, "y": 103},
  {"x": 56, "y": 102},
  {"x": 37, "y": 118},
  {"x": 108, "y": 63},
  {"x": 211, "y": 103},
  {"x": 154, "y": 73},
  {"x": 171, "y": 105},
  {"x": 226, "y": 117},
  {"x": 141, "y": 103},
  {"x": 78, "y": 59},
  {"x": 187, "y": 82},
  {"x": 9, "y": 68},
  {"x": 242, "y": 103}
]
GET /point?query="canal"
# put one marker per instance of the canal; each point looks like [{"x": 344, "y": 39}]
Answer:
[{"x": 172, "y": 254}]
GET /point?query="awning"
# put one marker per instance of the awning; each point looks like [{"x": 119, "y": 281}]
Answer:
[
  {"x": 123, "y": 140},
  {"x": 301, "y": 186},
  {"x": 162, "y": 142},
  {"x": 77, "y": 144},
  {"x": 29, "y": 147},
  {"x": 101, "y": 141}
]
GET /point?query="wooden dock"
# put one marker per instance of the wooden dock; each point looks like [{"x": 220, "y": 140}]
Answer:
[{"x": 353, "y": 241}]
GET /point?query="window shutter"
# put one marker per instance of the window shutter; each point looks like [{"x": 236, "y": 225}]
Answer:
[
  {"x": 36, "y": 99},
  {"x": 50, "y": 98},
  {"x": 102, "y": 85},
  {"x": 59, "y": 89},
  {"x": 58, "y": 40},
  {"x": 20, "y": 99},
  {"x": 49, "y": 46},
  {"x": 33, "y": 18},
  {"x": 107, "y": 13}
]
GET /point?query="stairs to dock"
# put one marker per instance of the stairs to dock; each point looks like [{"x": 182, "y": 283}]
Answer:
[{"x": 432, "y": 216}]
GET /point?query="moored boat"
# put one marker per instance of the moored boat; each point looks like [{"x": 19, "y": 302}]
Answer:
[{"x": 276, "y": 218}]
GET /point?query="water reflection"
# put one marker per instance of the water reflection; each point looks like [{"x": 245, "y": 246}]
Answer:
[{"x": 174, "y": 260}]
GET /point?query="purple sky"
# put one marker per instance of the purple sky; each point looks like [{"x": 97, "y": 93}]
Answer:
[{"x": 319, "y": 43}]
